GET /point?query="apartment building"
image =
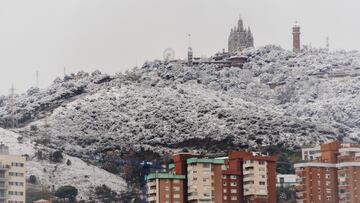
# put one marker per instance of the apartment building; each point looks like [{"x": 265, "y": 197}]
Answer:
[
  {"x": 250, "y": 177},
  {"x": 333, "y": 177},
  {"x": 165, "y": 188},
  {"x": 204, "y": 180},
  {"x": 12, "y": 177}
]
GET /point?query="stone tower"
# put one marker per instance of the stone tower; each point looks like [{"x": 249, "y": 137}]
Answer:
[
  {"x": 190, "y": 53},
  {"x": 240, "y": 38},
  {"x": 296, "y": 37}
]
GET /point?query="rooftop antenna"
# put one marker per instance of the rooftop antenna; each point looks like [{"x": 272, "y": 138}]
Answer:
[
  {"x": 64, "y": 71},
  {"x": 37, "y": 79},
  {"x": 327, "y": 43},
  {"x": 12, "y": 105},
  {"x": 189, "y": 35}
]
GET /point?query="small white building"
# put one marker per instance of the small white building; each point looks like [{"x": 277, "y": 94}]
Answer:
[
  {"x": 285, "y": 180},
  {"x": 308, "y": 154}
]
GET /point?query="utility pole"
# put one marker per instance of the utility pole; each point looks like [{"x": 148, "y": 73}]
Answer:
[
  {"x": 12, "y": 106},
  {"x": 327, "y": 43},
  {"x": 37, "y": 79}
]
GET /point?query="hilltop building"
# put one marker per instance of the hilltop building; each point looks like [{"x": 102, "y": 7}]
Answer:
[
  {"x": 296, "y": 37},
  {"x": 12, "y": 177},
  {"x": 331, "y": 176},
  {"x": 240, "y": 38},
  {"x": 240, "y": 177}
]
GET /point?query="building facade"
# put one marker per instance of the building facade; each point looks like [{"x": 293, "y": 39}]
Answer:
[
  {"x": 332, "y": 177},
  {"x": 286, "y": 180},
  {"x": 252, "y": 176},
  {"x": 204, "y": 180},
  {"x": 12, "y": 177},
  {"x": 165, "y": 188},
  {"x": 240, "y": 38}
]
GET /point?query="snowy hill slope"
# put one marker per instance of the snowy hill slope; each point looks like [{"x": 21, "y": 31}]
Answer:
[
  {"x": 53, "y": 175},
  {"x": 277, "y": 98}
]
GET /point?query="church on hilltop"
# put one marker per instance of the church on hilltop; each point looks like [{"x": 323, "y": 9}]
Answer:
[{"x": 240, "y": 38}]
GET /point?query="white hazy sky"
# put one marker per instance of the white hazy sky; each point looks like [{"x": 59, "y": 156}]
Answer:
[{"x": 111, "y": 35}]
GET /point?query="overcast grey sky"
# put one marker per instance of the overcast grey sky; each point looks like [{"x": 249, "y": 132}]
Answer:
[{"x": 111, "y": 35}]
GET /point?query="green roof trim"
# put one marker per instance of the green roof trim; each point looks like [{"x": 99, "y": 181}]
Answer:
[
  {"x": 164, "y": 176},
  {"x": 207, "y": 161},
  {"x": 171, "y": 166}
]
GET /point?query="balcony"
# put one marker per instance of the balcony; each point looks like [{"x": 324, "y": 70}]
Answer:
[
  {"x": 300, "y": 187},
  {"x": 299, "y": 195},
  {"x": 4, "y": 167},
  {"x": 152, "y": 191},
  {"x": 152, "y": 198}
]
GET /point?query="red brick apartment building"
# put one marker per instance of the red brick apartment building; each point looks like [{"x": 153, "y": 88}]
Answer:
[
  {"x": 332, "y": 177},
  {"x": 249, "y": 177},
  {"x": 243, "y": 177}
]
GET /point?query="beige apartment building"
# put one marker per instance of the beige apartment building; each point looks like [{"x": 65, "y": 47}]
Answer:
[
  {"x": 12, "y": 177},
  {"x": 205, "y": 180}
]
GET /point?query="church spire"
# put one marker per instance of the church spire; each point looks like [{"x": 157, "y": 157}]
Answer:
[{"x": 240, "y": 24}]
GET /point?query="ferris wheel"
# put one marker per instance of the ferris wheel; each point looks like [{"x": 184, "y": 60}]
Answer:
[{"x": 169, "y": 54}]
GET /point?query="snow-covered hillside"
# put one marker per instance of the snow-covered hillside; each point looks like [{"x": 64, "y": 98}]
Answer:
[
  {"x": 53, "y": 175},
  {"x": 277, "y": 99}
]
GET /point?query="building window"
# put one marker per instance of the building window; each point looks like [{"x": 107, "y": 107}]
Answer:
[
  {"x": 225, "y": 197},
  {"x": 206, "y": 165},
  {"x": 233, "y": 191},
  {"x": 233, "y": 184},
  {"x": 261, "y": 162},
  {"x": 262, "y": 183},
  {"x": 233, "y": 177},
  {"x": 233, "y": 198},
  {"x": 224, "y": 190},
  {"x": 176, "y": 181},
  {"x": 16, "y": 174}
]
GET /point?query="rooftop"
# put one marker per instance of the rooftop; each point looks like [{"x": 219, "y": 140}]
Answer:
[
  {"x": 205, "y": 160},
  {"x": 164, "y": 176}
]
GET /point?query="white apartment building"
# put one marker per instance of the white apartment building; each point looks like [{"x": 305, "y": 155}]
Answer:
[{"x": 12, "y": 177}]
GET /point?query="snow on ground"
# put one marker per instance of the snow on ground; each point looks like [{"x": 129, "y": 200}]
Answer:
[{"x": 53, "y": 175}]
